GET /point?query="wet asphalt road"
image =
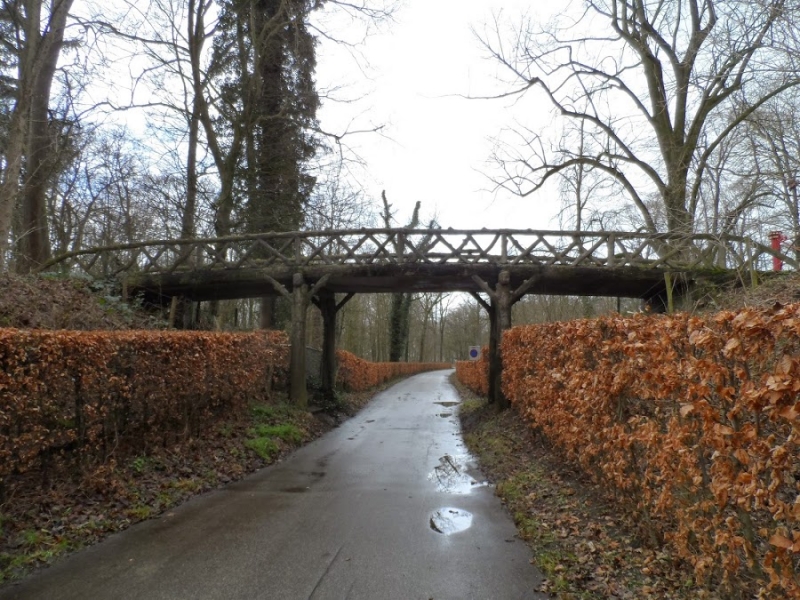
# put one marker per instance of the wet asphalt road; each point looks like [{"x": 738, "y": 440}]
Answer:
[{"x": 384, "y": 507}]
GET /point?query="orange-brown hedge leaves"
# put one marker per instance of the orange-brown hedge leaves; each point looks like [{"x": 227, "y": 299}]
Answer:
[
  {"x": 693, "y": 422},
  {"x": 82, "y": 396},
  {"x": 356, "y": 374},
  {"x": 475, "y": 373}
]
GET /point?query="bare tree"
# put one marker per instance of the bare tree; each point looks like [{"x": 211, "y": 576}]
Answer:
[
  {"x": 657, "y": 85},
  {"x": 363, "y": 328},
  {"x": 468, "y": 326},
  {"x": 336, "y": 205},
  {"x": 774, "y": 144},
  {"x": 443, "y": 309},
  {"x": 582, "y": 187},
  {"x": 427, "y": 305},
  {"x": 40, "y": 28}
]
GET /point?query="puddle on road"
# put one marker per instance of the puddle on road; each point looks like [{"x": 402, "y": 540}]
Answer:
[
  {"x": 295, "y": 490},
  {"x": 451, "y": 477},
  {"x": 446, "y": 404},
  {"x": 449, "y": 520},
  {"x": 445, "y": 415}
]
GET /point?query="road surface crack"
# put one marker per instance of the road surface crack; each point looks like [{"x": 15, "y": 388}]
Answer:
[{"x": 325, "y": 573}]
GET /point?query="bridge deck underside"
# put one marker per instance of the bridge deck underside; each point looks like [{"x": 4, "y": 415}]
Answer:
[{"x": 220, "y": 284}]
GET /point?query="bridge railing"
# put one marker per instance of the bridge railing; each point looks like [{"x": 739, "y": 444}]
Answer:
[{"x": 296, "y": 250}]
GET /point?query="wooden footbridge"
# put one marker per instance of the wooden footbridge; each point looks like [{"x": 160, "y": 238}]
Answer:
[{"x": 504, "y": 265}]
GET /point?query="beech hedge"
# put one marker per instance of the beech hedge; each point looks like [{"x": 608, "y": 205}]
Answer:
[
  {"x": 83, "y": 396},
  {"x": 691, "y": 422},
  {"x": 356, "y": 374},
  {"x": 72, "y": 398},
  {"x": 475, "y": 373}
]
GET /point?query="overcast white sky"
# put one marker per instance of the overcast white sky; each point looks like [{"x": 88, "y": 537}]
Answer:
[{"x": 436, "y": 144}]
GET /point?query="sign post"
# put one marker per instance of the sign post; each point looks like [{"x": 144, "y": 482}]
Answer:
[{"x": 474, "y": 352}]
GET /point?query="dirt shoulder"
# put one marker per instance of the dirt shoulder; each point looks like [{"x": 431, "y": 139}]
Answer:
[{"x": 586, "y": 547}]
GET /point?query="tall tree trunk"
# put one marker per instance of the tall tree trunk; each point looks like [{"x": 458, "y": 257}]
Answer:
[
  {"x": 422, "y": 336},
  {"x": 9, "y": 188},
  {"x": 34, "y": 243},
  {"x": 38, "y": 56},
  {"x": 275, "y": 109},
  {"x": 260, "y": 145},
  {"x": 442, "y": 323},
  {"x": 195, "y": 37},
  {"x": 45, "y": 48},
  {"x": 227, "y": 162}
]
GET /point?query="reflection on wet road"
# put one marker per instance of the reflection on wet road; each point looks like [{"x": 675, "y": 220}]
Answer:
[
  {"x": 388, "y": 506},
  {"x": 450, "y": 520},
  {"x": 452, "y": 475}
]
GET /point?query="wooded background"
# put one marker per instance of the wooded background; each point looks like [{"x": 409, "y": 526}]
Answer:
[{"x": 126, "y": 121}]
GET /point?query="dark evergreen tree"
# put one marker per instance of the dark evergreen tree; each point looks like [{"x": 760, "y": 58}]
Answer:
[
  {"x": 286, "y": 108},
  {"x": 265, "y": 58}
]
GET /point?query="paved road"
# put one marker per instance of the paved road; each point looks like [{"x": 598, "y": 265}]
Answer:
[{"x": 384, "y": 507}]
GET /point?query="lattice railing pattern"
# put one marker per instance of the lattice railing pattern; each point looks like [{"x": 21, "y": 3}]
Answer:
[{"x": 356, "y": 247}]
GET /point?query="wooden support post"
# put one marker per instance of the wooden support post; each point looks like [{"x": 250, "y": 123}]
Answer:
[
  {"x": 327, "y": 306},
  {"x": 189, "y": 311},
  {"x": 298, "y": 393},
  {"x": 503, "y": 301},
  {"x": 183, "y": 313},
  {"x": 173, "y": 309},
  {"x": 495, "y": 366},
  {"x": 669, "y": 290},
  {"x": 499, "y": 309},
  {"x": 491, "y": 309},
  {"x": 526, "y": 285}
]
